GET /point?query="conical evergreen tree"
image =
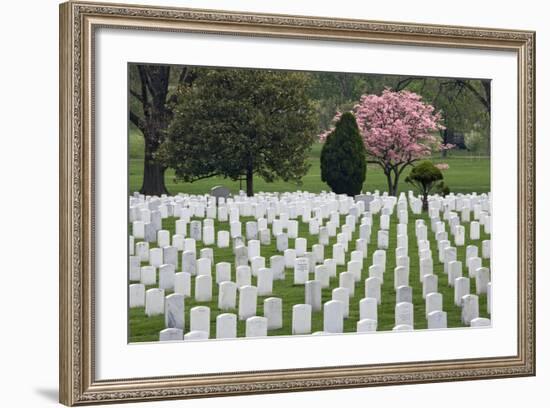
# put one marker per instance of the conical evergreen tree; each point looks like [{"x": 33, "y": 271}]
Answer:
[{"x": 343, "y": 165}]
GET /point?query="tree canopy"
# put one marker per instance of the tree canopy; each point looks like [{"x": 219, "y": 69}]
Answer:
[
  {"x": 239, "y": 123},
  {"x": 426, "y": 177},
  {"x": 398, "y": 129}
]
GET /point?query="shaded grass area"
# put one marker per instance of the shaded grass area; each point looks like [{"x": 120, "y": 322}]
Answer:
[
  {"x": 466, "y": 174},
  {"x": 143, "y": 328}
]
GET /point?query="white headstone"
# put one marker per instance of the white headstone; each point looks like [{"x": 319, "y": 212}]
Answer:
[
  {"x": 253, "y": 248},
  {"x": 347, "y": 280},
  {"x": 182, "y": 283},
  {"x": 402, "y": 327},
  {"x": 449, "y": 255},
  {"x": 195, "y": 230},
  {"x": 366, "y": 325},
  {"x": 434, "y": 302},
  {"x": 273, "y": 312},
  {"x": 454, "y": 269},
  {"x": 244, "y": 276},
  {"x": 203, "y": 288},
  {"x": 474, "y": 230},
  {"x": 265, "y": 281},
  {"x": 301, "y": 319},
  {"x": 401, "y": 277},
  {"x": 474, "y": 264},
  {"x": 429, "y": 285},
  {"x": 265, "y": 236},
  {"x": 167, "y": 274},
  {"x": 251, "y": 230},
  {"x": 195, "y": 335},
  {"x": 154, "y": 302},
  {"x": 142, "y": 251},
  {"x": 318, "y": 251},
  {"x": 257, "y": 263},
  {"x": 204, "y": 266},
  {"x": 313, "y": 294},
  {"x": 136, "y": 295},
  {"x": 331, "y": 266},
  {"x": 301, "y": 246},
  {"x": 223, "y": 272},
  {"x": 470, "y": 308},
  {"x": 355, "y": 267},
  {"x": 235, "y": 229},
  {"x": 483, "y": 277},
  {"x": 480, "y": 322},
  {"x": 404, "y": 314},
  {"x": 373, "y": 288},
  {"x": 368, "y": 309},
  {"x": 174, "y": 314},
  {"x": 333, "y": 316},
  {"x": 227, "y": 296},
  {"x": 290, "y": 257},
  {"x": 301, "y": 271},
  {"x": 462, "y": 288},
  {"x": 383, "y": 239},
  {"x": 248, "y": 298},
  {"x": 200, "y": 320},
  {"x": 148, "y": 275},
  {"x": 379, "y": 259},
  {"x": 339, "y": 254},
  {"x": 189, "y": 262},
  {"x": 486, "y": 249},
  {"x": 437, "y": 320},
  {"x": 171, "y": 334},
  {"x": 226, "y": 326},
  {"x": 277, "y": 265},
  {"x": 322, "y": 275},
  {"x": 403, "y": 294},
  {"x": 342, "y": 295}
]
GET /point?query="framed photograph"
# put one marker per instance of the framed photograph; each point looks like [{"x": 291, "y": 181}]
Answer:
[{"x": 255, "y": 203}]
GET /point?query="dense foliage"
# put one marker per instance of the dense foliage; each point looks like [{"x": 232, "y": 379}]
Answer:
[
  {"x": 240, "y": 123},
  {"x": 427, "y": 178},
  {"x": 398, "y": 129},
  {"x": 343, "y": 165}
]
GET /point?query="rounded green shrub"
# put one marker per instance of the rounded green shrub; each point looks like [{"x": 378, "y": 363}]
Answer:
[{"x": 426, "y": 178}]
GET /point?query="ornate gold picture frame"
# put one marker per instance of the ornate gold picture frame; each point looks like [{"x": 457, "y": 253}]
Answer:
[{"x": 78, "y": 24}]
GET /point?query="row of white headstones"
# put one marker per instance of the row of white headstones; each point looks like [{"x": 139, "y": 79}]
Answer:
[{"x": 147, "y": 213}]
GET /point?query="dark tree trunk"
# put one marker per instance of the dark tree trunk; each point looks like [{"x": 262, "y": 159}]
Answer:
[
  {"x": 445, "y": 138},
  {"x": 425, "y": 202},
  {"x": 153, "y": 179},
  {"x": 153, "y": 172},
  {"x": 392, "y": 187},
  {"x": 153, "y": 81},
  {"x": 249, "y": 182}
]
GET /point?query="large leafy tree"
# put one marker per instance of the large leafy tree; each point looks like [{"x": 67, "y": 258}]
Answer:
[
  {"x": 151, "y": 94},
  {"x": 239, "y": 124},
  {"x": 398, "y": 129},
  {"x": 343, "y": 165}
]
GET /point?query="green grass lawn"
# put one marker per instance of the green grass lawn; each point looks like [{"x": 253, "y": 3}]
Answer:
[
  {"x": 143, "y": 328},
  {"x": 466, "y": 174}
]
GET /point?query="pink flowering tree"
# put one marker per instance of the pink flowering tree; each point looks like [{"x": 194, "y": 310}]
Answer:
[{"x": 398, "y": 129}]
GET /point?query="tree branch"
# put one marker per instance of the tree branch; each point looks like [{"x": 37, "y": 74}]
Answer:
[
  {"x": 136, "y": 95},
  {"x": 136, "y": 120},
  {"x": 474, "y": 91},
  {"x": 203, "y": 177}
]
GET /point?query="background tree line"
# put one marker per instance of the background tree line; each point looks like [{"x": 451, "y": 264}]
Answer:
[{"x": 270, "y": 111}]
